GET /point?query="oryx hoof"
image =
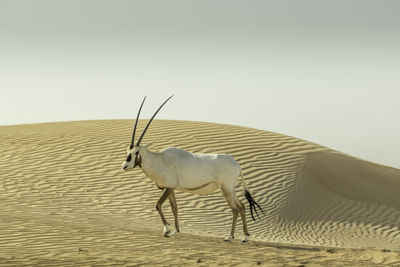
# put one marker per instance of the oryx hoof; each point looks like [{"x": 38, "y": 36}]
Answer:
[
  {"x": 174, "y": 233},
  {"x": 245, "y": 239},
  {"x": 166, "y": 231},
  {"x": 229, "y": 238}
]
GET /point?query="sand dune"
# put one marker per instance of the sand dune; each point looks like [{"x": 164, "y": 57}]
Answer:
[{"x": 65, "y": 200}]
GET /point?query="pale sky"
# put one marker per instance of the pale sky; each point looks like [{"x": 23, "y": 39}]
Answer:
[{"x": 323, "y": 71}]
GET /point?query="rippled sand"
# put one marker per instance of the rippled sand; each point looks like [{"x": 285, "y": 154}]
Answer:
[{"x": 66, "y": 201}]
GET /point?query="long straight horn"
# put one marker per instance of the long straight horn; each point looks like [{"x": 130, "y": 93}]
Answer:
[
  {"x": 136, "y": 122},
  {"x": 148, "y": 124}
]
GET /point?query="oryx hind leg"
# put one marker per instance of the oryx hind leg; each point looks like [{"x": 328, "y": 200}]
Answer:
[
  {"x": 242, "y": 212},
  {"x": 237, "y": 207},
  {"x": 229, "y": 195},
  {"x": 164, "y": 197},
  {"x": 174, "y": 207}
]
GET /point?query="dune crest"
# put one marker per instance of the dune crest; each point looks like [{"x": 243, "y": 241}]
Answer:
[{"x": 62, "y": 187}]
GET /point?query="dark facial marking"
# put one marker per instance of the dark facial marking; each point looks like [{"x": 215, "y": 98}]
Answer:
[
  {"x": 138, "y": 160},
  {"x": 129, "y": 158}
]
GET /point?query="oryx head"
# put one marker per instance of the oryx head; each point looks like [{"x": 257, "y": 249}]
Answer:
[{"x": 134, "y": 157}]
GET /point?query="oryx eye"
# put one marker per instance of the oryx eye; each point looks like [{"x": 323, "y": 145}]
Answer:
[
  {"x": 137, "y": 153},
  {"x": 129, "y": 158}
]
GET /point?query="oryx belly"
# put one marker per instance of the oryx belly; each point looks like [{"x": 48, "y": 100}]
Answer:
[{"x": 204, "y": 189}]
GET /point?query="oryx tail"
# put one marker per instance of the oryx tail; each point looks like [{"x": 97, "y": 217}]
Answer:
[{"x": 253, "y": 204}]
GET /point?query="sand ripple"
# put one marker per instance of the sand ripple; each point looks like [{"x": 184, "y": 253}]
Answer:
[{"x": 62, "y": 188}]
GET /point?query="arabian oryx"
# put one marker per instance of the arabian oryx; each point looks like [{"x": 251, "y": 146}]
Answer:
[{"x": 174, "y": 168}]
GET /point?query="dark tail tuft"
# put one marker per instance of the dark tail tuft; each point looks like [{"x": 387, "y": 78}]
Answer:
[{"x": 253, "y": 205}]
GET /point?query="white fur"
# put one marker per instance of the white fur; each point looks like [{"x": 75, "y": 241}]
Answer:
[
  {"x": 185, "y": 171},
  {"x": 177, "y": 169}
]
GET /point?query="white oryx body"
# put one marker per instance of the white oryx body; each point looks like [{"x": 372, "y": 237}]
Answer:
[
  {"x": 176, "y": 169},
  {"x": 190, "y": 172}
]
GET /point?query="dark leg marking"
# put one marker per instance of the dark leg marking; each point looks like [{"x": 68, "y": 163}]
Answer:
[
  {"x": 230, "y": 198},
  {"x": 174, "y": 207},
  {"x": 164, "y": 197}
]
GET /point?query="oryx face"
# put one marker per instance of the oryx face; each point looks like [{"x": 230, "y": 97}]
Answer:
[{"x": 133, "y": 158}]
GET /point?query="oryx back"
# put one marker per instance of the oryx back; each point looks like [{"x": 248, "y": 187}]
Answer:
[{"x": 200, "y": 173}]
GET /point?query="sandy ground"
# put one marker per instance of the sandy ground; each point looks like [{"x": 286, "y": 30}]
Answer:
[{"x": 66, "y": 202}]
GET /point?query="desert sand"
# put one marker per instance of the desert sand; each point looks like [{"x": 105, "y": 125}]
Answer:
[{"x": 66, "y": 202}]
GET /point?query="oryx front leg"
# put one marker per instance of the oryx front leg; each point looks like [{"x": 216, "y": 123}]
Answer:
[
  {"x": 174, "y": 208},
  {"x": 164, "y": 197}
]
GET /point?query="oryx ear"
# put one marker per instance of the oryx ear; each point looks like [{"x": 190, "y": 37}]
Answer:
[{"x": 148, "y": 145}]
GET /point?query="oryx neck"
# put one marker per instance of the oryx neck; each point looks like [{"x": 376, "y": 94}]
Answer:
[
  {"x": 150, "y": 161},
  {"x": 153, "y": 167},
  {"x": 144, "y": 152}
]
